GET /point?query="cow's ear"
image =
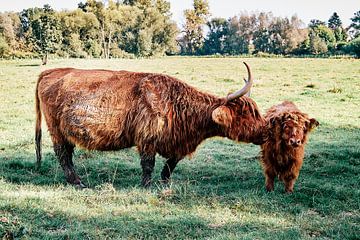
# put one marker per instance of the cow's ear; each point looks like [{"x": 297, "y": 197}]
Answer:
[
  {"x": 313, "y": 124},
  {"x": 222, "y": 115}
]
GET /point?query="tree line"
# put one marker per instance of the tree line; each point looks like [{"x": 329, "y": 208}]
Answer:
[
  {"x": 143, "y": 28},
  {"x": 264, "y": 33},
  {"x": 128, "y": 28}
]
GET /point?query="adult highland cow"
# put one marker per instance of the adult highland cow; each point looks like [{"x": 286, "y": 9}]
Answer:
[
  {"x": 285, "y": 138},
  {"x": 111, "y": 110}
]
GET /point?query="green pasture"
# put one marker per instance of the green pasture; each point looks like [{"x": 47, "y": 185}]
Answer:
[{"x": 219, "y": 193}]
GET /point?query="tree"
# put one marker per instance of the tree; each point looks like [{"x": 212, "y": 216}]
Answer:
[
  {"x": 163, "y": 7},
  {"x": 80, "y": 31},
  {"x": 4, "y": 47},
  {"x": 335, "y": 24},
  {"x": 317, "y": 45},
  {"x": 262, "y": 40},
  {"x": 193, "y": 39},
  {"x": 215, "y": 40},
  {"x": 354, "y": 28},
  {"x": 326, "y": 34},
  {"x": 296, "y": 35},
  {"x": 46, "y": 33},
  {"x": 261, "y": 37},
  {"x": 236, "y": 43},
  {"x": 240, "y": 33},
  {"x": 354, "y": 46},
  {"x": 321, "y": 36},
  {"x": 10, "y": 28},
  {"x": 142, "y": 27},
  {"x": 334, "y": 21},
  {"x": 315, "y": 22}
]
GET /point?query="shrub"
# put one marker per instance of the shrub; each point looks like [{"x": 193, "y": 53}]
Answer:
[
  {"x": 119, "y": 53},
  {"x": 4, "y": 47},
  {"x": 354, "y": 47}
]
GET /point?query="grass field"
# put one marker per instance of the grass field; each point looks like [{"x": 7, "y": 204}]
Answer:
[{"x": 218, "y": 193}]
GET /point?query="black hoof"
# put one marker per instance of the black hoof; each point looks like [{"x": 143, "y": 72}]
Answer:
[{"x": 78, "y": 185}]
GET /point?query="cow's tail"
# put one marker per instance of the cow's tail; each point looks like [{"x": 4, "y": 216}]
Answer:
[{"x": 38, "y": 127}]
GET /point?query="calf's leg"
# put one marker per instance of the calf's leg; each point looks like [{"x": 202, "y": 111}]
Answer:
[
  {"x": 269, "y": 179},
  {"x": 289, "y": 183}
]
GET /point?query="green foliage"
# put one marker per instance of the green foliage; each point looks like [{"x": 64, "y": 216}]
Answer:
[
  {"x": 321, "y": 39},
  {"x": 355, "y": 25},
  {"x": 4, "y": 47},
  {"x": 354, "y": 47},
  {"x": 268, "y": 34},
  {"x": 334, "y": 21},
  {"x": 315, "y": 23},
  {"x": 317, "y": 45},
  {"x": 340, "y": 34},
  {"x": 335, "y": 24},
  {"x": 262, "y": 40},
  {"x": 93, "y": 48},
  {"x": 195, "y": 18},
  {"x": 141, "y": 28},
  {"x": 80, "y": 33},
  {"x": 218, "y": 33},
  {"x": 46, "y": 34},
  {"x": 325, "y": 34},
  {"x": 218, "y": 193},
  {"x": 10, "y": 29},
  {"x": 239, "y": 34}
]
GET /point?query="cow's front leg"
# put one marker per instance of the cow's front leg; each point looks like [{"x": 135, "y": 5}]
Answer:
[
  {"x": 147, "y": 164},
  {"x": 168, "y": 169},
  {"x": 289, "y": 183}
]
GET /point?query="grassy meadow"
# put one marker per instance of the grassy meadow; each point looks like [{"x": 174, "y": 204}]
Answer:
[{"x": 219, "y": 193}]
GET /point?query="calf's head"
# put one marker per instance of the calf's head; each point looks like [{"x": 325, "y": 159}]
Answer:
[
  {"x": 294, "y": 128},
  {"x": 240, "y": 117}
]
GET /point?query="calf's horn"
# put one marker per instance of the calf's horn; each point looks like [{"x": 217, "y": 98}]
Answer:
[{"x": 245, "y": 89}]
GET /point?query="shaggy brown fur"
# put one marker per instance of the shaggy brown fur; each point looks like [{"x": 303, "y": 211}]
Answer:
[
  {"x": 111, "y": 110},
  {"x": 283, "y": 150}
]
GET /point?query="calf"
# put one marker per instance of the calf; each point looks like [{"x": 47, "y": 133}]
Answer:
[{"x": 285, "y": 138}]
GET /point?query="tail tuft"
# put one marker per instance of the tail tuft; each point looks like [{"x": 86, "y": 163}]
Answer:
[{"x": 38, "y": 128}]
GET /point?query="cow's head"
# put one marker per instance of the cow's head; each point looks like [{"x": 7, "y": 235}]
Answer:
[
  {"x": 240, "y": 117},
  {"x": 294, "y": 128}
]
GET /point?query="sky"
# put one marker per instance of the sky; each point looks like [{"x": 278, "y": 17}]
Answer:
[{"x": 304, "y": 9}]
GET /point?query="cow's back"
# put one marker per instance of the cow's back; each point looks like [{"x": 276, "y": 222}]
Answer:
[{"x": 89, "y": 107}]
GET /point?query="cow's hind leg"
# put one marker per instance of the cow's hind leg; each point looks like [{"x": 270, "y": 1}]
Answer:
[
  {"x": 64, "y": 152},
  {"x": 147, "y": 164},
  {"x": 168, "y": 169}
]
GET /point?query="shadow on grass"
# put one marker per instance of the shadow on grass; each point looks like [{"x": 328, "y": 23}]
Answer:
[
  {"x": 222, "y": 175},
  {"x": 37, "y": 223},
  {"x": 220, "y": 168},
  {"x": 29, "y": 65}
]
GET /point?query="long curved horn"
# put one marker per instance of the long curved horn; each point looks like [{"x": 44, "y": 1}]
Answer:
[{"x": 245, "y": 89}]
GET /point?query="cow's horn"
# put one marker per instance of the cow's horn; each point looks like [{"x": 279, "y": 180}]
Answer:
[{"x": 245, "y": 89}]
